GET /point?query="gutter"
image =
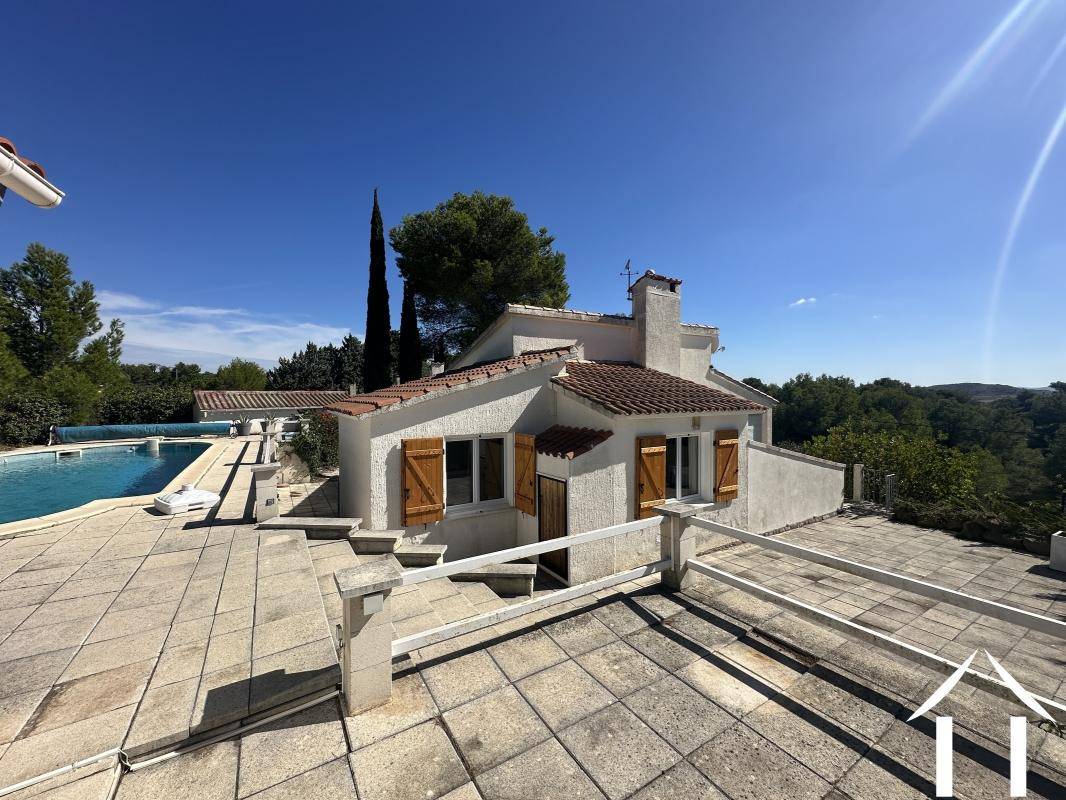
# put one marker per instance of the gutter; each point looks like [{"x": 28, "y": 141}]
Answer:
[{"x": 27, "y": 183}]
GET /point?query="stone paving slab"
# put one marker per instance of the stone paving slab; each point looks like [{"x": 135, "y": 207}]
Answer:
[
  {"x": 740, "y": 700},
  {"x": 993, "y": 573},
  {"x": 129, "y": 628},
  {"x": 747, "y": 718}
]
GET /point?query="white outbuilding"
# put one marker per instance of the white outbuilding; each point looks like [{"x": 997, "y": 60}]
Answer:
[{"x": 555, "y": 422}]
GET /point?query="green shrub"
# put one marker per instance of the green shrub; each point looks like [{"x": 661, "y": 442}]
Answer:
[
  {"x": 26, "y": 418},
  {"x": 147, "y": 405},
  {"x": 996, "y": 519},
  {"x": 927, "y": 470},
  {"x": 317, "y": 442}
]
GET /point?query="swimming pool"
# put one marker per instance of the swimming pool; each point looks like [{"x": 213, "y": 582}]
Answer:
[{"x": 35, "y": 484}]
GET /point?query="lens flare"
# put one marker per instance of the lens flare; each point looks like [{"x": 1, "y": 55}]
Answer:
[
  {"x": 1012, "y": 233},
  {"x": 976, "y": 60},
  {"x": 1060, "y": 48}
]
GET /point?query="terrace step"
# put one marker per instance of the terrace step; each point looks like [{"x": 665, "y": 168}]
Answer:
[
  {"x": 314, "y": 527},
  {"x": 420, "y": 555},
  {"x": 504, "y": 579},
  {"x": 375, "y": 542}
]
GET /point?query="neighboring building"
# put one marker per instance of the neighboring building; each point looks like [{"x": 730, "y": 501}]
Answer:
[
  {"x": 556, "y": 422},
  {"x": 217, "y": 406}
]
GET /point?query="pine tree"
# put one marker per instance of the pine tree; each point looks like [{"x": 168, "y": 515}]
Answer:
[
  {"x": 410, "y": 342},
  {"x": 377, "y": 359}
]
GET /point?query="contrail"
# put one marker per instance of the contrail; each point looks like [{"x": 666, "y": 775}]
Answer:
[
  {"x": 1044, "y": 70},
  {"x": 1012, "y": 233},
  {"x": 973, "y": 63}
]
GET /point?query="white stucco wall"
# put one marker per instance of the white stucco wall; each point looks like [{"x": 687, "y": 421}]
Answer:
[
  {"x": 521, "y": 403},
  {"x": 787, "y": 488},
  {"x": 610, "y": 340},
  {"x": 697, "y": 350},
  {"x": 602, "y": 484}
]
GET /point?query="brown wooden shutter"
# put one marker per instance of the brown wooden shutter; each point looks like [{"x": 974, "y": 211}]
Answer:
[
  {"x": 651, "y": 474},
  {"x": 423, "y": 480},
  {"x": 726, "y": 464},
  {"x": 525, "y": 470}
]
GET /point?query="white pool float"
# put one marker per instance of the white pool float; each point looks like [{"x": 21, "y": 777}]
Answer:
[{"x": 188, "y": 498}]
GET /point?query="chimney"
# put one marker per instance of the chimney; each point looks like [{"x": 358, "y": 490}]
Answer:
[{"x": 657, "y": 311}]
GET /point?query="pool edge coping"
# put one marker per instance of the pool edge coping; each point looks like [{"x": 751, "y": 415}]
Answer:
[{"x": 9, "y": 530}]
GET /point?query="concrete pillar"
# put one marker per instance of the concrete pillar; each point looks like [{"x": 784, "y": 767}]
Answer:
[
  {"x": 265, "y": 491},
  {"x": 366, "y": 662},
  {"x": 891, "y": 485},
  {"x": 677, "y": 542},
  {"x": 856, "y": 483},
  {"x": 1058, "y": 551}
]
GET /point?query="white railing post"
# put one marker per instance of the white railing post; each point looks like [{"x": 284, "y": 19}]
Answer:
[
  {"x": 856, "y": 483},
  {"x": 1057, "y": 559},
  {"x": 891, "y": 485},
  {"x": 366, "y": 663},
  {"x": 677, "y": 542}
]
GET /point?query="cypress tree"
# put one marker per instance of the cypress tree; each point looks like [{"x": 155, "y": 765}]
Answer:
[
  {"x": 377, "y": 357},
  {"x": 410, "y": 342}
]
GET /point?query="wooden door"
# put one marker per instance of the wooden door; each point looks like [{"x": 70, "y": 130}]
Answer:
[{"x": 551, "y": 523}]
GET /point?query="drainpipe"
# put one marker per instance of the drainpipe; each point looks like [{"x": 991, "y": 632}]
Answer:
[{"x": 26, "y": 179}]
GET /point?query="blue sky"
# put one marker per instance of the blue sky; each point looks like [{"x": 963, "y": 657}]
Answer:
[{"x": 219, "y": 161}]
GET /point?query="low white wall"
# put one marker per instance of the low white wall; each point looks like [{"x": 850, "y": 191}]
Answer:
[{"x": 786, "y": 487}]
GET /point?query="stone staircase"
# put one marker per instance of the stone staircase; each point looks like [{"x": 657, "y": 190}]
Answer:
[{"x": 362, "y": 542}]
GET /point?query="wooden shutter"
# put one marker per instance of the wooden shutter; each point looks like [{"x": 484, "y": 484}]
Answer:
[
  {"x": 525, "y": 470},
  {"x": 726, "y": 464},
  {"x": 651, "y": 474},
  {"x": 423, "y": 480}
]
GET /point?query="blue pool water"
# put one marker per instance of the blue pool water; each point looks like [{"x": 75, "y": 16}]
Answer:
[{"x": 35, "y": 484}]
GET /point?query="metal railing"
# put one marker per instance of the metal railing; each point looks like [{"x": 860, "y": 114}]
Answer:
[{"x": 1016, "y": 616}]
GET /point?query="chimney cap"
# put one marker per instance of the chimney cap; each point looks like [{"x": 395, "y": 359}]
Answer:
[{"x": 651, "y": 275}]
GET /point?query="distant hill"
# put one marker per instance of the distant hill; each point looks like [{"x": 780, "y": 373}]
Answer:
[{"x": 985, "y": 392}]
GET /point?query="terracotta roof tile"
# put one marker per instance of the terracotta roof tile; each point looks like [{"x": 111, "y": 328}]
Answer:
[
  {"x": 655, "y": 276},
  {"x": 564, "y": 441},
  {"x": 237, "y": 400},
  {"x": 357, "y": 405},
  {"x": 625, "y": 388}
]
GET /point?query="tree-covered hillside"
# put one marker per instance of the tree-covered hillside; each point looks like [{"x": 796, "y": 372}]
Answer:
[{"x": 1004, "y": 459}]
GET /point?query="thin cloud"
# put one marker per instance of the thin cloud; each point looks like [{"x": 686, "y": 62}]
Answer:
[
  {"x": 231, "y": 331},
  {"x": 120, "y": 301},
  {"x": 803, "y": 301}
]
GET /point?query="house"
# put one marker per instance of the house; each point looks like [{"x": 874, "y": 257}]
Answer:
[
  {"x": 555, "y": 422},
  {"x": 211, "y": 405}
]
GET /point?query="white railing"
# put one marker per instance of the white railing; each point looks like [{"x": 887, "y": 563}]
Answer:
[
  {"x": 932, "y": 661},
  {"x": 368, "y": 647},
  {"x": 525, "y": 551}
]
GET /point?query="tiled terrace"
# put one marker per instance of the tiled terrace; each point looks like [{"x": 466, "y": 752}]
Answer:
[
  {"x": 635, "y": 694},
  {"x": 116, "y": 626}
]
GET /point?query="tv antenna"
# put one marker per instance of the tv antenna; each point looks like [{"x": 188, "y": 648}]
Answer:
[{"x": 628, "y": 273}]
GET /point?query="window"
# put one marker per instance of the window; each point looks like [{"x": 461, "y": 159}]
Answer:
[
  {"x": 490, "y": 469},
  {"x": 467, "y": 482},
  {"x": 682, "y": 466}
]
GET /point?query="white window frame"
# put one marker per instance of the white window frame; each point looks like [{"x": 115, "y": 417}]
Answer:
[
  {"x": 475, "y": 479},
  {"x": 677, "y": 466}
]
